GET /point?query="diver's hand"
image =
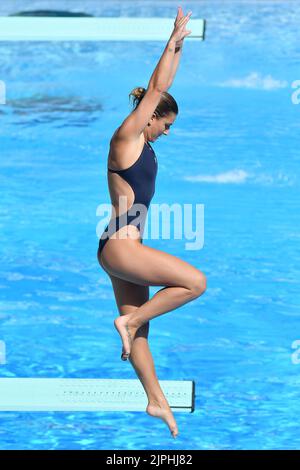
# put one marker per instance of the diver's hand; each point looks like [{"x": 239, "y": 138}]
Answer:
[{"x": 179, "y": 32}]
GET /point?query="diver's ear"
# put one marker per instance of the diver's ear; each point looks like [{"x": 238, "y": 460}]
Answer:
[{"x": 153, "y": 116}]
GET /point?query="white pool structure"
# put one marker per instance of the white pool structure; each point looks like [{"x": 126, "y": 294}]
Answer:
[{"x": 33, "y": 28}]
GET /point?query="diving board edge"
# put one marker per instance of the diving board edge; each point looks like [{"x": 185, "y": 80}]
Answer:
[
  {"x": 72, "y": 394},
  {"x": 31, "y": 28}
]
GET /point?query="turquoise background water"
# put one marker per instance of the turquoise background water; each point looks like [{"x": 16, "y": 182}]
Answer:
[{"x": 234, "y": 148}]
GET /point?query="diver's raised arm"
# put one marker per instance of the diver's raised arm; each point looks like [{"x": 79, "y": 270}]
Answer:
[{"x": 165, "y": 71}]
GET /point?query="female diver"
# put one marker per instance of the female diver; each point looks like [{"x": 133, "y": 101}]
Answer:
[{"x": 132, "y": 266}]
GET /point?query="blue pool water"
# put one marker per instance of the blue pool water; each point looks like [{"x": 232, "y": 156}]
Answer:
[{"x": 234, "y": 148}]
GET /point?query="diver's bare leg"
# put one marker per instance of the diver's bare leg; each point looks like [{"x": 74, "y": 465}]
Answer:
[{"x": 142, "y": 362}]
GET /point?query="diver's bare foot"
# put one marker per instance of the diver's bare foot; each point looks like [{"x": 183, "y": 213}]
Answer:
[
  {"x": 163, "y": 411},
  {"x": 127, "y": 333}
]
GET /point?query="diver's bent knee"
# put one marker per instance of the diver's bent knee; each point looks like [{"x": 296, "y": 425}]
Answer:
[{"x": 199, "y": 285}]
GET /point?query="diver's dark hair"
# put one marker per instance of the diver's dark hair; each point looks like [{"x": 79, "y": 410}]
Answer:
[{"x": 166, "y": 105}]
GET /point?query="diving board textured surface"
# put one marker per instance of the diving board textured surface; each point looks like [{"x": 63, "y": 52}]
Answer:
[
  {"x": 93, "y": 29},
  {"x": 24, "y": 394}
]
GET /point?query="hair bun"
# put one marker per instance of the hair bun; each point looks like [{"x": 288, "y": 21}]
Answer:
[
  {"x": 137, "y": 94},
  {"x": 166, "y": 105}
]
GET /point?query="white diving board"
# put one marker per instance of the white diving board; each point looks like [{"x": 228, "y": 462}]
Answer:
[
  {"x": 36, "y": 28},
  {"x": 39, "y": 394}
]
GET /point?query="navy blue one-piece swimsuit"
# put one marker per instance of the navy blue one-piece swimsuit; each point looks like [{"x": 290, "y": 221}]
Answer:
[{"x": 141, "y": 177}]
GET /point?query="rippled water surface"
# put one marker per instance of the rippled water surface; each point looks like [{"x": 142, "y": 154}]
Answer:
[{"x": 234, "y": 147}]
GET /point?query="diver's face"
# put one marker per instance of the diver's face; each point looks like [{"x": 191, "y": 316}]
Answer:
[{"x": 160, "y": 126}]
